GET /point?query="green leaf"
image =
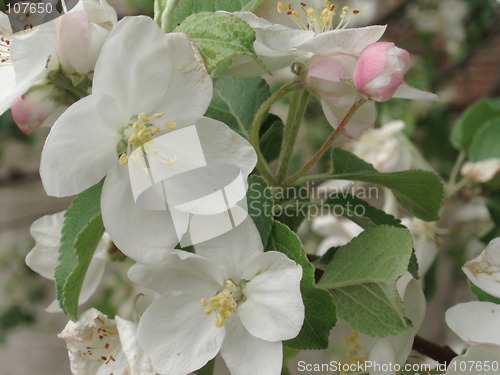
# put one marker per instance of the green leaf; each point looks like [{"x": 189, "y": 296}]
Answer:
[
  {"x": 419, "y": 192},
  {"x": 472, "y": 120},
  {"x": 236, "y": 100},
  {"x": 320, "y": 314},
  {"x": 362, "y": 279},
  {"x": 260, "y": 206},
  {"x": 81, "y": 232},
  {"x": 219, "y": 37},
  {"x": 189, "y": 7},
  {"x": 486, "y": 142},
  {"x": 271, "y": 136},
  {"x": 481, "y": 295}
]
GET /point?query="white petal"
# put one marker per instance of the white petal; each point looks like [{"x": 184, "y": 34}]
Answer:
[
  {"x": 475, "y": 322},
  {"x": 81, "y": 146},
  {"x": 177, "y": 336},
  {"x": 475, "y": 361},
  {"x": 273, "y": 309},
  {"x": 138, "y": 363},
  {"x": 223, "y": 145},
  {"x": 343, "y": 40},
  {"x": 406, "y": 91},
  {"x": 143, "y": 235},
  {"x": 245, "y": 354},
  {"x": 178, "y": 272},
  {"x": 484, "y": 270},
  {"x": 92, "y": 277},
  {"x": 46, "y": 231},
  {"x": 382, "y": 354},
  {"x": 233, "y": 250},
  {"x": 482, "y": 171},
  {"x": 148, "y": 71}
]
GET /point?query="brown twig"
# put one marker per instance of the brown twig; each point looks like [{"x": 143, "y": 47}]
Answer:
[{"x": 442, "y": 354}]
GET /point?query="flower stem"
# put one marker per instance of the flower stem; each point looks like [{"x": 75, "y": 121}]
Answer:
[
  {"x": 358, "y": 103},
  {"x": 296, "y": 112},
  {"x": 262, "y": 164}
]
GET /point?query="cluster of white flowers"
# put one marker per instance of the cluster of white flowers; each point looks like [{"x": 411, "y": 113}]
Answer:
[{"x": 126, "y": 103}]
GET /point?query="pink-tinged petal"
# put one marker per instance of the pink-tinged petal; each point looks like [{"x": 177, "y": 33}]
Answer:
[
  {"x": 273, "y": 309},
  {"x": 475, "y": 322},
  {"x": 81, "y": 146},
  {"x": 332, "y": 68},
  {"x": 137, "y": 68},
  {"x": 233, "y": 250},
  {"x": 405, "y": 91},
  {"x": 144, "y": 235},
  {"x": 179, "y": 272},
  {"x": 33, "y": 108},
  {"x": 380, "y": 70},
  {"x": 177, "y": 335},
  {"x": 73, "y": 42},
  {"x": 245, "y": 354},
  {"x": 344, "y": 40}
]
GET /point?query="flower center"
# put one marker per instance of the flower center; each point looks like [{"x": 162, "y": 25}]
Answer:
[
  {"x": 318, "y": 20},
  {"x": 141, "y": 130},
  {"x": 103, "y": 345},
  {"x": 5, "y": 51},
  {"x": 225, "y": 303},
  {"x": 355, "y": 353}
]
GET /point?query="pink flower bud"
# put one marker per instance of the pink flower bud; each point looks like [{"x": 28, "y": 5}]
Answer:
[
  {"x": 380, "y": 70},
  {"x": 33, "y": 108}
]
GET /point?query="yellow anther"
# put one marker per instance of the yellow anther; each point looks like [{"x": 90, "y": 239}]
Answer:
[
  {"x": 171, "y": 125},
  {"x": 229, "y": 284},
  {"x": 136, "y": 126},
  {"x": 155, "y": 130},
  {"x": 281, "y": 7},
  {"x": 296, "y": 14},
  {"x": 326, "y": 3},
  {"x": 219, "y": 322},
  {"x": 204, "y": 302},
  {"x": 133, "y": 139},
  {"x": 311, "y": 12},
  {"x": 158, "y": 115},
  {"x": 143, "y": 117},
  {"x": 123, "y": 159}
]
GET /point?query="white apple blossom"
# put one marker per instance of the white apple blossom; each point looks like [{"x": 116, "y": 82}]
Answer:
[
  {"x": 337, "y": 231},
  {"x": 382, "y": 148},
  {"x": 142, "y": 128},
  {"x": 484, "y": 270},
  {"x": 30, "y": 59},
  {"x": 43, "y": 258},
  {"x": 285, "y": 33},
  {"x": 481, "y": 171},
  {"x": 478, "y": 324},
  {"x": 101, "y": 346},
  {"x": 250, "y": 302}
]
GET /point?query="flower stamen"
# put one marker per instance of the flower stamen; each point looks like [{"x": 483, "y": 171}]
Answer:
[
  {"x": 223, "y": 304},
  {"x": 5, "y": 51},
  {"x": 318, "y": 20}
]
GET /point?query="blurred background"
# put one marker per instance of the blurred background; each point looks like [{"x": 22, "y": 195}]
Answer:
[{"x": 455, "y": 48}]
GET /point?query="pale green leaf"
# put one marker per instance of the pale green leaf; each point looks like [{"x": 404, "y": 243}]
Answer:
[
  {"x": 419, "y": 192},
  {"x": 219, "y": 37},
  {"x": 362, "y": 279},
  {"x": 189, "y": 7}
]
